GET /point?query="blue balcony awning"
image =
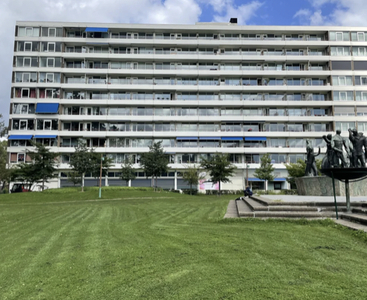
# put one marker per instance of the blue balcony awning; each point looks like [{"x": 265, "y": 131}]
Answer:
[
  {"x": 186, "y": 138},
  {"x": 212, "y": 138},
  {"x": 20, "y": 137},
  {"x": 47, "y": 108},
  {"x": 96, "y": 29},
  {"x": 255, "y": 179},
  {"x": 45, "y": 136},
  {"x": 255, "y": 138},
  {"x": 232, "y": 138},
  {"x": 280, "y": 179}
]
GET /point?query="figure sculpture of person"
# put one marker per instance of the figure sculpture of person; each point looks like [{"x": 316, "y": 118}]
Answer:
[
  {"x": 311, "y": 169},
  {"x": 329, "y": 152},
  {"x": 359, "y": 142},
  {"x": 337, "y": 144}
]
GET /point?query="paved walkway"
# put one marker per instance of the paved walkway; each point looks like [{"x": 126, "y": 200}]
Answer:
[
  {"x": 295, "y": 198},
  {"x": 231, "y": 210}
]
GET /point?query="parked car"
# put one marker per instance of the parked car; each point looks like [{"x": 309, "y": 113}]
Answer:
[{"x": 21, "y": 188}]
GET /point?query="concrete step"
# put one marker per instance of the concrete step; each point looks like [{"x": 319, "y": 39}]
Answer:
[
  {"x": 243, "y": 209},
  {"x": 351, "y": 225},
  {"x": 293, "y": 208},
  {"x": 359, "y": 210},
  {"x": 231, "y": 210},
  {"x": 356, "y": 218},
  {"x": 256, "y": 206},
  {"x": 292, "y": 214}
]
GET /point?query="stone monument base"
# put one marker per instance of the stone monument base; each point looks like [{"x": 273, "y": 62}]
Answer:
[{"x": 323, "y": 186}]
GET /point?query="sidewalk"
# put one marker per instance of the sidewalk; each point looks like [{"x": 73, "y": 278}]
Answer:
[{"x": 295, "y": 198}]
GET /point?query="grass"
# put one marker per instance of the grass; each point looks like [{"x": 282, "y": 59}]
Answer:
[{"x": 137, "y": 244}]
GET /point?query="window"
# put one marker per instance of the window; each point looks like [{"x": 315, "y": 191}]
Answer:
[
  {"x": 359, "y": 51},
  {"x": 50, "y": 62},
  {"x": 340, "y": 51},
  {"x": 361, "y": 96},
  {"x": 52, "y": 32},
  {"x": 51, "y": 47},
  {"x": 338, "y": 36},
  {"x": 344, "y": 126},
  {"x": 342, "y": 80},
  {"x": 343, "y": 95},
  {"x": 28, "y": 31}
]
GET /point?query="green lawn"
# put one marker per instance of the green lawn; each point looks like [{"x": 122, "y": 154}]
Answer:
[{"x": 64, "y": 244}]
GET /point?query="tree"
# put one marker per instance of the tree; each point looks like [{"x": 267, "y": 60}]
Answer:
[
  {"x": 192, "y": 176},
  {"x": 98, "y": 159},
  {"x": 3, "y": 128},
  {"x": 219, "y": 168},
  {"x": 74, "y": 178},
  {"x": 82, "y": 160},
  {"x": 298, "y": 169},
  {"x": 127, "y": 171},
  {"x": 5, "y": 173},
  {"x": 41, "y": 168},
  {"x": 154, "y": 162},
  {"x": 265, "y": 172}
]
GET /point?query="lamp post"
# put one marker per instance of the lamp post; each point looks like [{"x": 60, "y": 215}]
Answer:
[
  {"x": 100, "y": 176},
  {"x": 247, "y": 166}
]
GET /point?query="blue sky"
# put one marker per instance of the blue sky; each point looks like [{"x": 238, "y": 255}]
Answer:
[{"x": 254, "y": 12}]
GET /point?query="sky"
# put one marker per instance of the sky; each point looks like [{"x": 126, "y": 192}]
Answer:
[{"x": 256, "y": 12}]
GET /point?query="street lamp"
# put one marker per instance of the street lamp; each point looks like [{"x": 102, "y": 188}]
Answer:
[
  {"x": 247, "y": 166},
  {"x": 100, "y": 176}
]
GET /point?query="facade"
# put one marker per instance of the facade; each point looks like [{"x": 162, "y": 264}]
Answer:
[{"x": 200, "y": 89}]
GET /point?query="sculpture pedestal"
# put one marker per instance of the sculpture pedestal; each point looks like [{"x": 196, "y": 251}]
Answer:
[{"x": 323, "y": 186}]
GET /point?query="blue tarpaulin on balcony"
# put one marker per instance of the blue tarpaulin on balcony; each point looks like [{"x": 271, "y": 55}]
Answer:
[
  {"x": 254, "y": 179},
  {"x": 280, "y": 179},
  {"x": 254, "y": 138},
  {"x": 20, "y": 137},
  {"x": 209, "y": 138},
  {"x": 186, "y": 138},
  {"x": 96, "y": 29},
  {"x": 232, "y": 138},
  {"x": 45, "y": 136},
  {"x": 47, "y": 108}
]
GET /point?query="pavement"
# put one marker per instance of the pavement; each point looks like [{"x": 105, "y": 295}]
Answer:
[{"x": 296, "y": 198}]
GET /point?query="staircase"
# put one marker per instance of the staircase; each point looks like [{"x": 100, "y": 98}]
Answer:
[{"x": 259, "y": 207}]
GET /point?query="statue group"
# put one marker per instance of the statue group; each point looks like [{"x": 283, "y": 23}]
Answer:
[
  {"x": 341, "y": 152},
  {"x": 345, "y": 152}
]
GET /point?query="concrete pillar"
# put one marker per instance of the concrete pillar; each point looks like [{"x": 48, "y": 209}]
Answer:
[{"x": 129, "y": 183}]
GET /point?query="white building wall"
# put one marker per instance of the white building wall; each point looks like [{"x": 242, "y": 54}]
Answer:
[{"x": 283, "y": 84}]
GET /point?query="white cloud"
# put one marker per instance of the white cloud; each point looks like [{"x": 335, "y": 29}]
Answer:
[
  {"x": 108, "y": 11},
  {"x": 343, "y": 13},
  {"x": 228, "y": 9}
]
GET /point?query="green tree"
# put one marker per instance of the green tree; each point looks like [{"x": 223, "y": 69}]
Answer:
[
  {"x": 265, "y": 172},
  {"x": 83, "y": 160},
  {"x": 74, "y": 178},
  {"x": 41, "y": 168},
  {"x": 154, "y": 162},
  {"x": 100, "y": 162},
  {"x": 3, "y": 128},
  {"x": 298, "y": 169},
  {"x": 219, "y": 168},
  {"x": 5, "y": 173},
  {"x": 192, "y": 176},
  {"x": 127, "y": 171}
]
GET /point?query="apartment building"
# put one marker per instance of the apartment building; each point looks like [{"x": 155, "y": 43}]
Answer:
[{"x": 200, "y": 89}]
